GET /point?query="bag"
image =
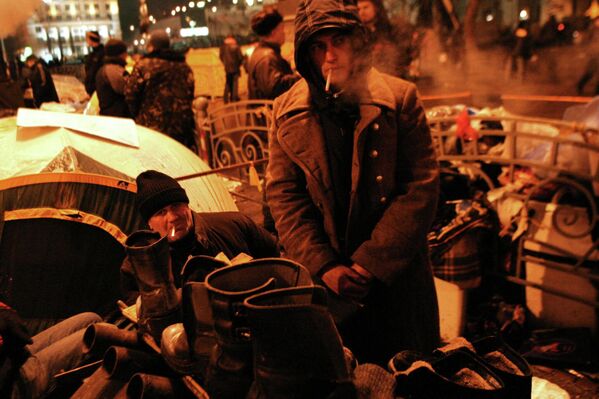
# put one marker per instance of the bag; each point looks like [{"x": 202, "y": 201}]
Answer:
[{"x": 458, "y": 249}]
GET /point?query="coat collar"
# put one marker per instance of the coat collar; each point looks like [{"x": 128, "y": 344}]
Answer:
[{"x": 374, "y": 91}]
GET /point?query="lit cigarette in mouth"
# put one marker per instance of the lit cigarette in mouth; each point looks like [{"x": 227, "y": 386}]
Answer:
[
  {"x": 328, "y": 84},
  {"x": 173, "y": 231}
]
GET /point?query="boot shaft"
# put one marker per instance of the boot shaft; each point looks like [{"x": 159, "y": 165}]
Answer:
[
  {"x": 229, "y": 373},
  {"x": 298, "y": 350},
  {"x": 229, "y": 287},
  {"x": 187, "y": 346},
  {"x": 150, "y": 259},
  {"x": 197, "y": 312}
]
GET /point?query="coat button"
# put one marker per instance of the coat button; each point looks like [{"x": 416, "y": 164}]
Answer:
[
  {"x": 383, "y": 200},
  {"x": 375, "y": 126},
  {"x": 379, "y": 179},
  {"x": 374, "y": 154}
]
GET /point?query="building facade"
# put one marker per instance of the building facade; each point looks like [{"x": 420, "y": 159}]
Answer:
[{"x": 58, "y": 27}]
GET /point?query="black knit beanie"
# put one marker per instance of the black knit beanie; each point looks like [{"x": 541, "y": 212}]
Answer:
[
  {"x": 156, "y": 190},
  {"x": 265, "y": 21}
]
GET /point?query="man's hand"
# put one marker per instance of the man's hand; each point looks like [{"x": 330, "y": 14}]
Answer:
[
  {"x": 347, "y": 282},
  {"x": 13, "y": 330}
]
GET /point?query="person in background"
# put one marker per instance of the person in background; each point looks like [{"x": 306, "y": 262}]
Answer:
[
  {"x": 352, "y": 183},
  {"x": 392, "y": 47},
  {"x": 28, "y": 364},
  {"x": 521, "y": 52},
  {"x": 110, "y": 80},
  {"x": 269, "y": 74},
  {"x": 160, "y": 91},
  {"x": 591, "y": 71},
  {"x": 93, "y": 61},
  {"x": 11, "y": 96},
  {"x": 40, "y": 81},
  {"x": 164, "y": 204},
  {"x": 232, "y": 59}
]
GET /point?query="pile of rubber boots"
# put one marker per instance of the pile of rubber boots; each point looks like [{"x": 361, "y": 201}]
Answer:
[
  {"x": 132, "y": 365},
  {"x": 483, "y": 369},
  {"x": 129, "y": 367},
  {"x": 260, "y": 329}
]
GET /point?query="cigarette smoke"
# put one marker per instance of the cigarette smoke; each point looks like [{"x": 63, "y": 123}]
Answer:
[{"x": 13, "y": 14}]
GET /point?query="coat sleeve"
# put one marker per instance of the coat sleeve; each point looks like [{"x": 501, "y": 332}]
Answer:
[
  {"x": 134, "y": 87},
  {"x": 401, "y": 233},
  {"x": 297, "y": 218}
]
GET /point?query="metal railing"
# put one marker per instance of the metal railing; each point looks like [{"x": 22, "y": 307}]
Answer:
[{"x": 563, "y": 162}]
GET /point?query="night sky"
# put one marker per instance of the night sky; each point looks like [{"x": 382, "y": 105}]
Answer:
[{"x": 129, "y": 12}]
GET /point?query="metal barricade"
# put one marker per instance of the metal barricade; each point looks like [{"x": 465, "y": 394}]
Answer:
[
  {"x": 555, "y": 232},
  {"x": 238, "y": 132}
]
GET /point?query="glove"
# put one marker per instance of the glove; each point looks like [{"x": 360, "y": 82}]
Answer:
[{"x": 13, "y": 330}]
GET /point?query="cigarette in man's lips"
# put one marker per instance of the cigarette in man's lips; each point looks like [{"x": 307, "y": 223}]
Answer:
[
  {"x": 328, "y": 84},
  {"x": 173, "y": 231}
]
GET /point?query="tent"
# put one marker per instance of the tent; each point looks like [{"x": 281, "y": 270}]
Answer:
[{"x": 67, "y": 202}]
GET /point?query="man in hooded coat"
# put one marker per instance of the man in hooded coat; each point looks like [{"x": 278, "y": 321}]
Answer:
[{"x": 352, "y": 183}]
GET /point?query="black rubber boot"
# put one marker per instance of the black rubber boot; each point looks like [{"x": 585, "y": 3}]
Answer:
[
  {"x": 508, "y": 364},
  {"x": 298, "y": 352},
  {"x": 149, "y": 256},
  {"x": 187, "y": 346},
  {"x": 457, "y": 375},
  {"x": 230, "y": 371}
]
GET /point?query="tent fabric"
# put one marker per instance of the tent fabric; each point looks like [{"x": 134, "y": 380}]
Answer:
[
  {"x": 29, "y": 150},
  {"x": 67, "y": 203},
  {"x": 51, "y": 269},
  {"x": 71, "y": 160},
  {"x": 73, "y": 193},
  {"x": 70, "y": 215}
]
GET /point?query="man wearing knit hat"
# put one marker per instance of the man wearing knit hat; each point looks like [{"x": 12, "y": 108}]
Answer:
[
  {"x": 110, "y": 80},
  {"x": 269, "y": 74},
  {"x": 163, "y": 203},
  {"x": 93, "y": 61}
]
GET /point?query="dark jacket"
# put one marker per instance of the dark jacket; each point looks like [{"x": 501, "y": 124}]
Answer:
[
  {"x": 110, "y": 87},
  {"x": 227, "y": 232},
  {"x": 230, "y": 55},
  {"x": 93, "y": 62},
  {"x": 269, "y": 74},
  {"x": 392, "y": 195},
  {"x": 42, "y": 84},
  {"x": 159, "y": 94}
]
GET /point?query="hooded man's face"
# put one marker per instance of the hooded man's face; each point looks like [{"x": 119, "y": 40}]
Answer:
[{"x": 331, "y": 53}]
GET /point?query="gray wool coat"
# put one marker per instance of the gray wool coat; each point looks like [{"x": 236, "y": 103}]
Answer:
[{"x": 395, "y": 169}]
